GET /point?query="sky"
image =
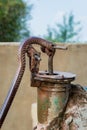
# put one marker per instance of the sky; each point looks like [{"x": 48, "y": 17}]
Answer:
[{"x": 50, "y": 12}]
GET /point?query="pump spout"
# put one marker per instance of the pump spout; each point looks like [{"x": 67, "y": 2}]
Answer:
[{"x": 60, "y": 47}]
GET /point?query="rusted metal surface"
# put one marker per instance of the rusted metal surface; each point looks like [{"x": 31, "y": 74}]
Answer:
[
  {"x": 34, "y": 56},
  {"x": 53, "y": 93},
  {"x": 51, "y": 100},
  {"x": 74, "y": 114},
  {"x": 56, "y": 77}
]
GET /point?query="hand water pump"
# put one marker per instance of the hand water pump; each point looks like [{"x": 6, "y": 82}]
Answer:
[{"x": 53, "y": 87}]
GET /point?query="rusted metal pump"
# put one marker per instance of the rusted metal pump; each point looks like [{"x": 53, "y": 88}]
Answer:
[{"x": 52, "y": 87}]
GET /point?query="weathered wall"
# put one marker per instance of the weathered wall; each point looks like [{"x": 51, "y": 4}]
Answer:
[{"x": 19, "y": 116}]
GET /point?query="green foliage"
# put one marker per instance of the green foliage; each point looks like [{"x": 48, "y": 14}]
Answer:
[
  {"x": 67, "y": 31},
  {"x": 13, "y": 20}
]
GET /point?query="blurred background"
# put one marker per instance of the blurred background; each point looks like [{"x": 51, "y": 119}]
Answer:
[{"x": 58, "y": 21}]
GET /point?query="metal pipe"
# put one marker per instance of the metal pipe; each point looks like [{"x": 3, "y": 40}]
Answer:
[
  {"x": 51, "y": 100},
  {"x": 52, "y": 95}
]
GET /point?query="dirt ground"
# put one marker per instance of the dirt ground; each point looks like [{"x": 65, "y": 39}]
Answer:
[{"x": 19, "y": 116}]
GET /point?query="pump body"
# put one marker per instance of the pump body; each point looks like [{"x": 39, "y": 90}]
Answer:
[{"x": 52, "y": 95}]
